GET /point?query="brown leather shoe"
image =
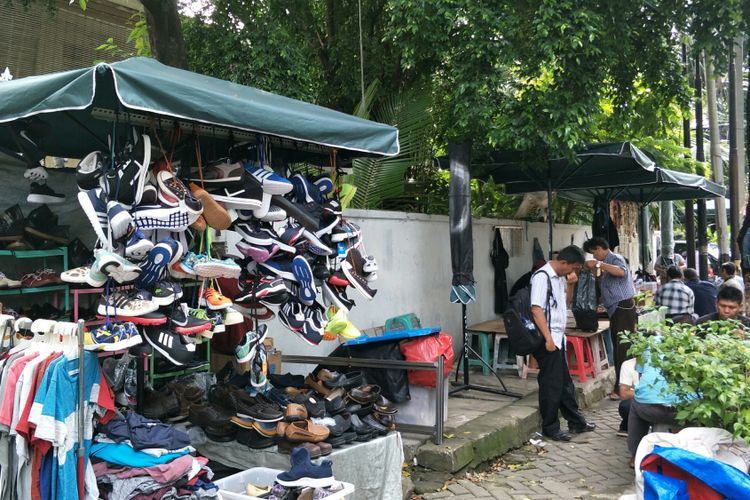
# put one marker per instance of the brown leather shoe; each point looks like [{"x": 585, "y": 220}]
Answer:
[
  {"x": 317, "y": 386},
  {"x": 365, "y": 394},
  {"x": 216, "y": 216},
  {"x": 199, "y": 224},
  {"x": 306, "y": 431},
  {"x": 267, "y": 430},
  {"x": 295, "y": 412}
]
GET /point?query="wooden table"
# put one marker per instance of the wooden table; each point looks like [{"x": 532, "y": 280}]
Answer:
[{"x": 527, "y": 364}]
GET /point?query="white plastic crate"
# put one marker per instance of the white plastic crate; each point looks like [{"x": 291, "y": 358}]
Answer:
[{"x": 233, "y": 487}]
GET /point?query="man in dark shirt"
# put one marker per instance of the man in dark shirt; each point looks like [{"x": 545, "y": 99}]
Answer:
[
  {"x": 704, "y": 291},
  {"x": 728, "y": 306}
]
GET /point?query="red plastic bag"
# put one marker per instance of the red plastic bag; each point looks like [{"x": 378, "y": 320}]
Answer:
[{"x": 427, "y": 349}]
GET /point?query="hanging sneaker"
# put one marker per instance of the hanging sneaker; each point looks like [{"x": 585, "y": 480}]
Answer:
[
  {"x": 304, "y": 276},
  {"x": 185, "y": 323},
  {"x": 172, "y": 191},
  {"x": 292, "y": 315},
  {"x": 216, "y": 216},
  {"x": 256, "y": 252},
  {"x": 37, "y": 174},
  {"x": 215, "y": 300},
  {"x": 221, "y": 174},
  {"x": 126, "y": 182},
  {"x": 259, "y": 367},
  {"x": 171, "y": 345},
  {"x": 209, "y": 267},
  {"x": 95, "y": 208},
  {"x": 281, "y": 268},
  {"x": 232, "y": 317},
  {"x": 246, "y": 349},
  {"x": 213, "y": 319},
  {"x": 138, "y": 246},
  {"x": 120, "y": 220},
  {"x": 352, "y": 268},
  {"x": 124, "y": 304},
  {"x": 174, "y": 219},
  {"x": 116, "y": 267},
  {"x": 156, "y": 263},
  {"x": 188, "y": 261},
  {"x": 42, "y": 193},
  {"x": 240, "y": 197},
  {"x": 112, "y": 337},
  {"x": 336, "y": 296},
  {"x": 166, "y": 292},
  {"x": 269, "y": 181},
  {"x": 89, "y": 171},
  {"x": 259, "y": 287}
]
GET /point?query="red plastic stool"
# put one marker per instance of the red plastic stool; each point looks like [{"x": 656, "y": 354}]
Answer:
[{"x": 583, "y": 359}]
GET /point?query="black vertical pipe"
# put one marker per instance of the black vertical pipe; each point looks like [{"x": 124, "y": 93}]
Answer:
[
  {"x": 734, "y": 187},
  {"x": 700, "y": 156}
]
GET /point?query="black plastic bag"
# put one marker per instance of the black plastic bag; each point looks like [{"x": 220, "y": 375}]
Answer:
[
  {"x": 584, "y": 302},
  {"x": 394, "y": 384}
]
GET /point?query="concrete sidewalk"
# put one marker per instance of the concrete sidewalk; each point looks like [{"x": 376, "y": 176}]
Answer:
[{"x": 481, "y": 427}]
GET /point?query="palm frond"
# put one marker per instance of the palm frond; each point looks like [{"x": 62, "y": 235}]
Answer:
[{"x": 378, "y": 179}]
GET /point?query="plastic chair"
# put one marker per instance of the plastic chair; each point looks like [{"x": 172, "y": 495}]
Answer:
[{"x": 584, "y": 361}]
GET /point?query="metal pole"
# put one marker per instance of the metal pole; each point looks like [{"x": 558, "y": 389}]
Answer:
[
  {"x": 550, "y": 222},
  {"x": 467, "y": 344},
  {"x": 439, "y": 399},
  {"x": 80, "y": 472}
]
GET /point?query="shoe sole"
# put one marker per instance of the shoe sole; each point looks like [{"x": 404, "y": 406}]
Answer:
[
  {"x": 308, "y": 481},
  {"x": 137, "y": 320},
  {"x": 190, "y": 330},
  {"x": 117, "y": 346},
  {"x": 157, "y": 260},
  {"x": 158, "y": 217},
  {"x": 330, "y": 296},
  {"x": 274, "y": 215},
  {"x": 40, "y": 199},
  {"x": 236, "y": 202},
  {"x": 216, "y": 270},
  {"x": 92, "y": 214},
  {"x": 269, "y": 186},
  {"x": 119, "y": 271},
  {"x": 301, "y": 335},
  {"x": 303, "y": 274},
  {"x": 316, "y": 245},
  {"x": 220, "y": 307}
]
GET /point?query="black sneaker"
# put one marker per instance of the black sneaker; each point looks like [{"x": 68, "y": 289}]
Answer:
[
  {"x": 292, "y": 315},
  {"x": 254, "y": 288},
  {"x": 12, "y": 224},
  {"x": 186, "y": 324},
  {"x": 171, "y": 345},
  {"x": 352, "y": 268},
  {"x": 89, "y": 171},
  {"x": 166, "y": 292},
  {"x": 43, "y": 224},
  {"x": 159, "y": 406},
  {"x": 240, "y": 197},
  {"x": 42, "y": 193},
  {"x": 126, "y": 183},
  {"x": 253, "y": 439}
]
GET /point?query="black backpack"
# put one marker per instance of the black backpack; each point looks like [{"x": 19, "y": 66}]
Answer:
[{"x": 523, "y": 335}]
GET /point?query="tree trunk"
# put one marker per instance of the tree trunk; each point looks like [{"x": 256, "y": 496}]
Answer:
[
  {"x": 720, "y": 214},
  {"x": 700, "y": 156},
  {"x": 165, "y": 32},
  {"x": 689, "y": 211}
]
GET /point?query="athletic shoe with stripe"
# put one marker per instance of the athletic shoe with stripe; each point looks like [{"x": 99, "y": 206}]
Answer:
[
  {"x": 209, "y": 267},
  {"x": 292, "y": 315},
  {"x": 171, "y": 345},
  {"x": 114, "y": 266},
  {"x": 125, "y": 183},
  {"x": 95, "y": 208},
  {"x": 156, "y": 263},
  {"x": 112, "y": 337},
  {"x": 120, "y": 220},
  {"x": 157, "y": 216},
  {"x": 89, "y": 171},
  {"x": 281, "y": 268},
  {"x": 247, "y": 197},
  {"x": 246, "y": 349},
  {"x": 166, "y": 292},
  {"x": 269, "y": 181},
  {"x": 221, "y": 174},
  {"x": 259, "y": 287},
  {"x": 185, "y": 323}
]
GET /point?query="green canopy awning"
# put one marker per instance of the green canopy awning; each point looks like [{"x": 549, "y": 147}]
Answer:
[
  {"x": 664, "y": 185},
  {"x": 143, "y": 91},
  {"x": 598, "y": 165}
]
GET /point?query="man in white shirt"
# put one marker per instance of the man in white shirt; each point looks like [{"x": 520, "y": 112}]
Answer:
[
  {"x": 729, "y": 277},
  {"x": 550, "y": 288},
  {"x": 628, "y": 380}
]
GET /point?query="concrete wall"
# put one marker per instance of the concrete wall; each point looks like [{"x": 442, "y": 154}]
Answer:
[{"x": 414, "y": 271}]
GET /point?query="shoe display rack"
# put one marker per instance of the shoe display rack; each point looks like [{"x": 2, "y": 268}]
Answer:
[{"x": 41, "y": 254}]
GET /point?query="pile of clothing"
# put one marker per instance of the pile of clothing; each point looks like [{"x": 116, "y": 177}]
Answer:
[{"x": 135, "y": 457}]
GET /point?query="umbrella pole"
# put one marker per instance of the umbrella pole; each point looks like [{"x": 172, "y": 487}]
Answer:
[{"x": 465, "y": 353}]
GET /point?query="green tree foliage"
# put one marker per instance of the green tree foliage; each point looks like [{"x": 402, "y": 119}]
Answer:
[{"x": 707, "y": 367}]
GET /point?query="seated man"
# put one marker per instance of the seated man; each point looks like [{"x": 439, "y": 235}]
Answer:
[
  {"x": 652, "y": 404},
  {"x": 729, "y": 277},
  {"x": 729, "y": 302},
  {"x": 663, "y": 262},
  {"x": 676, "y": 297},
  {"x": 628, "y": 382},
  {"x": 704, "y": 291}
]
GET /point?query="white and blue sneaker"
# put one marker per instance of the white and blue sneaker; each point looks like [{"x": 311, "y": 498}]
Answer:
[
  {"x": 281, "y": 268},
  {"x": 95, "y": 208},
  {"x": 155, "y": 265},
  {"x": 271, "y": 182},
  {"x": 120, "y": 220},
  {"x": 114, "y": 266},
  {"x": 138, "y": 246},
  {"x": 304, "y": 276}
]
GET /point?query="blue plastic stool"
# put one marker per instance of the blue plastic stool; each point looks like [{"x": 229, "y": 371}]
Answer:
[{"x": 408, "y": 321}]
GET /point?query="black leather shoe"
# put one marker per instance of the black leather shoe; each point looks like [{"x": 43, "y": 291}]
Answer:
[
  {"x": 589, "y": 427},
  {"x": 559, "y": 436}
]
